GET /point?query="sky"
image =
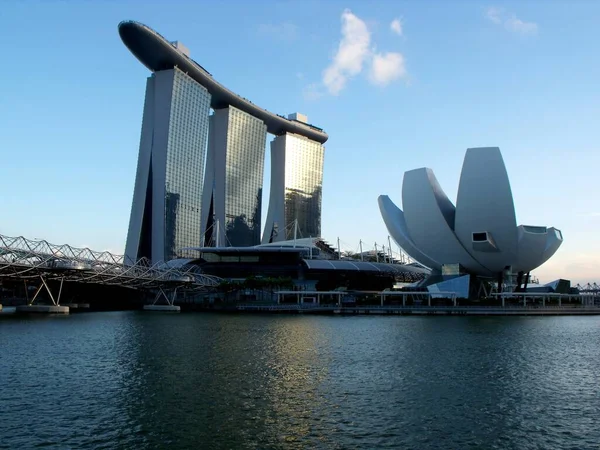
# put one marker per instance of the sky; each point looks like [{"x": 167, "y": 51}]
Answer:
[{"x": 397, "y": 85}]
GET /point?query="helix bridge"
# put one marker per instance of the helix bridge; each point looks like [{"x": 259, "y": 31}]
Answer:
[
  {"x": 589, "y": 288},
  {"x": 51, "y": 265}
]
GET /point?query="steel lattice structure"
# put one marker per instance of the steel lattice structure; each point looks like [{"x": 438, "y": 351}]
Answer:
[
  {"x": 590, "y": 288},
  {"x": 24, "y": 258}
]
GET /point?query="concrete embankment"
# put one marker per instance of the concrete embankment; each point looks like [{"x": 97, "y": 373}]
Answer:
[
  {"x": 43, "y": 309},
  {"x": 421, "y": 310}
]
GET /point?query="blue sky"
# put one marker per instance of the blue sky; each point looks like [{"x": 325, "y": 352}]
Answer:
[{"x": 431, "y": 79}]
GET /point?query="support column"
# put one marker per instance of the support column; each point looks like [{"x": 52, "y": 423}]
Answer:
[
  {"x": 519, "y": 281},
  {"x": 170, "y": 301},
  {"x": 56, "y": 301},
  {"x": 54, "y": 308},
  {"x": 162, "y": 294}
]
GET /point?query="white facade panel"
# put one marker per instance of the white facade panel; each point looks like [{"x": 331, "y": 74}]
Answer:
[
  {"x": 531, "y": 248},
  {"x": 535, "y": 248},
  {"x": 554, "y": 241},
  {"x": 299, "y": 117},
  {"x": 396, "y": 226},
  {"x": 426, "y": 211},
  {"x": 485, "y": 205}
]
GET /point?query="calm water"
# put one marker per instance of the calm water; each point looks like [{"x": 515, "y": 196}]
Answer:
[{"x": 143, "y": 380}]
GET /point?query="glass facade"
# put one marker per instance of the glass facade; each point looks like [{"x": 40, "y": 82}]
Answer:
[
  {"x": 303, "y": 185},
  {"x": 244, "y": 168},
  {"x": 185, "y": 154},
  {"x": 187, "y": 197}
]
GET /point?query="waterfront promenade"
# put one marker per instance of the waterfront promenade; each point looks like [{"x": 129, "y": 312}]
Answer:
[{"x": 577, "y": 310}]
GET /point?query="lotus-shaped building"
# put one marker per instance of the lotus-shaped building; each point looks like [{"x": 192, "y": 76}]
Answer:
[{"x": 480, "y": 233}]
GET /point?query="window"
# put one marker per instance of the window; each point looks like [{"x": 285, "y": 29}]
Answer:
[{"x": 480, "y": 237}]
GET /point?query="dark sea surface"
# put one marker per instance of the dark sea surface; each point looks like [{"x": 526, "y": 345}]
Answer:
[{"x": 151, "y": 380}]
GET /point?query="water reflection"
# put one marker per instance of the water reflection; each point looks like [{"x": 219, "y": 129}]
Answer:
[
  {"x": 233, "y": 380},
  {"x": 135, "y": 380}
]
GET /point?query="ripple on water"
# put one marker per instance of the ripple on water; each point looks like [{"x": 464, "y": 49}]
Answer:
[{"x": 134, "y": 380}]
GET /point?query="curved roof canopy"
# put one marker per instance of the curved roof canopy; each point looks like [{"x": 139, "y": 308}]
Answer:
[
  {"x": 362, "y": 266},
  {"x": 157, "y": 53}
]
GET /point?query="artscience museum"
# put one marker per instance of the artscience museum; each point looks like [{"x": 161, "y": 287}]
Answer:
[{"x": 478, "y": 235}]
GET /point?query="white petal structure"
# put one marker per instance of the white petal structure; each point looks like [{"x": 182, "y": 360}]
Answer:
[
  {"x": 394, "y": 220},
  {"x": 426, "y": 204},
  {"x": 532, "y": 244},
  {"x": 480, "y": 233},
  {"x": 485, "y": 221},
  {"x": 536, "y": 246},
  {"x": 554, "y": 241}
]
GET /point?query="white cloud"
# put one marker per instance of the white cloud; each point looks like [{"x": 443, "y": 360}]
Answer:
[
  {"x": 494, "y": 14},
  {"x": 512, "y": 23},
  {"x": 285, "y": 31},
  {"x": 518, "y": 26},
  {"x": 312, "y": 92},
  {"x": 387, "y": 67},
  {"x": 352, "y": 53},
  {"x": 396, "y": 26}
]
